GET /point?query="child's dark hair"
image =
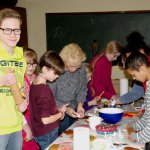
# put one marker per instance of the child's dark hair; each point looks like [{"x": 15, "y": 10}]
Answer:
[
  {"x": 53, "y": 61},
  {"x": 136, "y": 60},
  {"x": 136, "y": 43}
]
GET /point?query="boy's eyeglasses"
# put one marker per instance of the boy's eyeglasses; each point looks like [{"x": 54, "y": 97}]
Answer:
[
  {"x": 8, "y": 31},
  {"x": 31, "y": 64}
]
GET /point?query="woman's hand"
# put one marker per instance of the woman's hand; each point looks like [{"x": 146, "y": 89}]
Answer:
[
  {"x": 80, "y": 111},
  {"x": 63, "y": 109},
  {"x": 71, "y": 112}
]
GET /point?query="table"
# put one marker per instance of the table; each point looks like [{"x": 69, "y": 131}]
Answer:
[{"x": 67, "y": 136}]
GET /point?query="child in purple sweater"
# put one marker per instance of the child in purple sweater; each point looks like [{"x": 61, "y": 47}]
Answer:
[{"x": 90, "y": 102}]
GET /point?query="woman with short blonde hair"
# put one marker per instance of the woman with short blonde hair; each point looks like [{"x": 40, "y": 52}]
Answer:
[
  {"x": 72, "y": 54},
  {"x": 71, "y": 87}
]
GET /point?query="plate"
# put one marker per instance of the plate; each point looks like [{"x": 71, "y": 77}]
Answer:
[
  {"x": 131, "y": 114},
  {"x": 102, "y": 144}
]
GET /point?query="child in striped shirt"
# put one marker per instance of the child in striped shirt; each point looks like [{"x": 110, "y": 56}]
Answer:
[
  {"x": 30, "y": 74},
  {"x": 138, "y": 66}
]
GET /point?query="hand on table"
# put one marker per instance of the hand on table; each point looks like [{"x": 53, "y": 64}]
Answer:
[
  {"x": 80, "y": 111},
  {"x": 71, "y": 112},
  {"x": 63, "y": 109}
]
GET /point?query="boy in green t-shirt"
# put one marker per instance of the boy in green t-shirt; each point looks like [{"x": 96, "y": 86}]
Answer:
[{"x": 11, "y": 56}]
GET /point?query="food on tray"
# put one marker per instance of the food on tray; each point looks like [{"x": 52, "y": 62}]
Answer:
[
  {"x": 92, "y": 138},
  {"x": 68, "y": 132},
  {"x": 130, "y": 130},
  {"x": 105, "y": 102},
  {"x": 131, "y": 114},
  {"x": 54, "y": 147},
  {"x": 101, "y": 144},
  {"x": 65, "y": 146},
  {"x": 131, "y": 148}
]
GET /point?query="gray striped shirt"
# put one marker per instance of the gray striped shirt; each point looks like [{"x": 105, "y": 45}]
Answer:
[{"x": 143, "y": 124}]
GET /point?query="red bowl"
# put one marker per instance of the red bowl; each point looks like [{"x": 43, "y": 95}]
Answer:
[{"x": 106, "y": 128}]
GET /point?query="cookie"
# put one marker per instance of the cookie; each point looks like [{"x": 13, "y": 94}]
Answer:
[
  {"x": 68, "y": 132},
  {"x": 54, "y": 147},
  {"x": 131, "y": 148}
]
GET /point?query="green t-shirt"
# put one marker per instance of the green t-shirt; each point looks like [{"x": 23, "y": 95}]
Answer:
[{"x": 10, "y": 117}]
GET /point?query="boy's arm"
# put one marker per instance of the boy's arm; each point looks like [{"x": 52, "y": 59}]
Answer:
[
  {"x": 136, "y": 93},
  {"x": 52, "y": 118},
  {"x": 23, "y": 106},
  {"x": 44, "y": 101},
  {"x": 7, "y": 79},
  {"x": 140, "y": 124},
  {"x": 27, "y": 130},
  {"x": 143, "y": 136}
]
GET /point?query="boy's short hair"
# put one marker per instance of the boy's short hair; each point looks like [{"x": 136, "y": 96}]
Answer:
[
  {"x": 53, "y": 61},
  {"x": 9, "y": 13},
  {"x": 88, "y": 68},
  {"x": 72, "y": 54},
  {"x": 136, "y": 60}
]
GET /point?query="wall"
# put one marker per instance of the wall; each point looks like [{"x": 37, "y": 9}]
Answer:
[{"x": 36, "y": 10}]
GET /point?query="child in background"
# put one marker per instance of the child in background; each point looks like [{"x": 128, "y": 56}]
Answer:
[
  {"x": 139, "y": 88},
  {"x": 44, "y": 114},
  {"x": 11, "y": 56},
  {"x": 102, "y": 65},
  {"x": 90, "y": 102},
  {"x": 138, "y": 66},
  {"x": 30, "y": 74}
]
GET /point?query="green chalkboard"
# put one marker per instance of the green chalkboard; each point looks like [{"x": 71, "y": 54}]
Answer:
[{"x": 83, "y": 28}]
